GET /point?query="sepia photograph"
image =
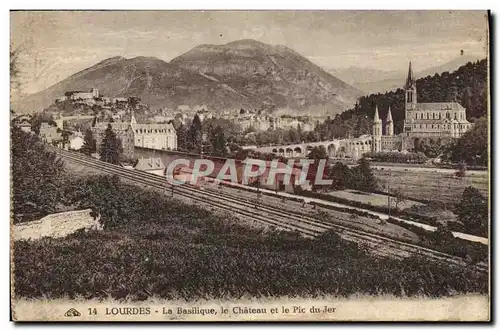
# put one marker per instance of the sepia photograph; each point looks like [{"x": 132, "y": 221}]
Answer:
[{"x": 250, "y": 165}]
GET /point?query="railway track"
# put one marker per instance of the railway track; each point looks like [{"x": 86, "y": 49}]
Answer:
[{"x": 276, "y": 216}]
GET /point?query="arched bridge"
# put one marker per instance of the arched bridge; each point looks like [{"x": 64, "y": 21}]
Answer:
[{"x": 353, "y": 147}]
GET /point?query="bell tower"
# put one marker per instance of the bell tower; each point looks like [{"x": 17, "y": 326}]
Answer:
[
  {"x": 389, "y": 124},
  {"x": 410, "y": 91},
  {"x": 376, "y": 132}
]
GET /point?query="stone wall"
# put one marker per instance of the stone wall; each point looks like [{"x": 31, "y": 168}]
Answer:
[{"x": 56, "y": 225}]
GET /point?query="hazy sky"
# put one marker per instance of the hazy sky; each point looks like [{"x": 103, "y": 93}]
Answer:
[{"x": 57, "y": 44}]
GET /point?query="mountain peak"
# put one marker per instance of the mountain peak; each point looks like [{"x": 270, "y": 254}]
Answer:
[
  {"x": 144, "y": 58},
  {"x": 246, "y": 43},
  {"x": 241, "y": 74},
  {"x": 110, "y": 60},
  {"x": 238, "y": 45}
]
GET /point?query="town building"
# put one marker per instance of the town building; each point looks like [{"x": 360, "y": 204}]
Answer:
[
  {"x": 431, "y": 121},
  {"x": 154, "y": 136},
  {"x": 424, "y": 123},
  {"x": 82, "y": 95},
  {"x": 264, "y": 123},
  {"x": 120, "y": 100},
  {"x": 25, "y": 126},
  {"x": 22, "y": 122},
  {"x": 123, "y": 131},
  {"x": 389, "y": 141},
  {"x": 133, "y": 134},
  {"x": 49, "y": 134}
]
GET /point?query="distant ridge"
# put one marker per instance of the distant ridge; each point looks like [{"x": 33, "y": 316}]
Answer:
[
  {"x": 397, "y": 79},
  {"x": 240, "y": 74}
]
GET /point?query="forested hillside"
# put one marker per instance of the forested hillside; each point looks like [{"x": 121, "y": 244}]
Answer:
[{"x": 468, "y": 85}]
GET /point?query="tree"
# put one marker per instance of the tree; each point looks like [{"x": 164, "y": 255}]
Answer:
[
  {"x": 317, "y": 153},
  {"x": 340, "y": 175},
  {"x": 363, "y": 177},
  {"x": 241, "y": 154},
  {"x": 218, "y": 141},
  {"x": 472, "y": 147},
  {"x": 473, "y": 211},
  {"x": 300, "y": 133},
  {"x": 182, "y": 138},
  {"x": 462, "y": 168},
  {"x": 311, "y": 136},
  {"x": 65, "y": 136},
  {"x": 431, "y": 149},
  {"x": 293, "y": 136},
  {"x": 89, "y": 143},
  {"x": 195, "y": 135},
  {"x": 14, "y": 70},
  {"x": 398, "y": 196},
  {"x": 133, "y": 101},
  {"x": 36, "y": 177},
  {"x": 111, "y": 147},
  {"x": 443, "y": 235}
]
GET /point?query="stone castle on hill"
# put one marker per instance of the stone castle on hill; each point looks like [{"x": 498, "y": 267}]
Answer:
[{"x": 428, "y": 122}]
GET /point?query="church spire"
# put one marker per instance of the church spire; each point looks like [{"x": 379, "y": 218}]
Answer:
[
  {"x": 410, "y": 91},
  {"x": 132, "y": 117},
  {"x": 389, "y": 125},
  {"x": 389, "y": 115},
  {"x": 410, "y": 80},
  {"x": 376, "y": 118}
]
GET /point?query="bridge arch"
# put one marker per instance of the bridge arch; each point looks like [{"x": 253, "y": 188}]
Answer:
[
  {"x": 289, "y": 152},
  {"x": 297, "y": 151}
]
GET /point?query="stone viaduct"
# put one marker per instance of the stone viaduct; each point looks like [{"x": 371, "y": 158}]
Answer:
[{"x": 351, "y": 148}]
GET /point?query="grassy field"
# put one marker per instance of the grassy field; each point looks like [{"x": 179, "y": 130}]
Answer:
[
  {"x": 372, "y": 198},
  {"x": 432, "y": 186},
  {"x": 153, "y": 246},
  {"x": 179, "y": 261}
]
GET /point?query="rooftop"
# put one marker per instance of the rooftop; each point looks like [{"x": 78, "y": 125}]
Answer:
[
  {"x": 152, "y": 163},
  {"x": 439, "y": 106}
]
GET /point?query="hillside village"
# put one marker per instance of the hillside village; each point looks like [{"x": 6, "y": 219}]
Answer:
[{"x": 135, "y": 124}]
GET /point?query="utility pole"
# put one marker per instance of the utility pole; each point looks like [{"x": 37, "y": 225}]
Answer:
[
  {"x": 258, "y": 186},
  {"x": 258, "y": 193},
  {"x": 203, "y": 137},
  {"x": 389, "y": 194},
  {"x": 438, "y": 193}
]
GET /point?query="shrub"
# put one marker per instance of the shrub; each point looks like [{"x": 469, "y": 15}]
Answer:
[
  {"x": 397, "y": 157},
  {"x": 472, "y": 210}
]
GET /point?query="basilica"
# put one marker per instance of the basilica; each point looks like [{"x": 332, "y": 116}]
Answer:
[{"x": 427, "y": 122}]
